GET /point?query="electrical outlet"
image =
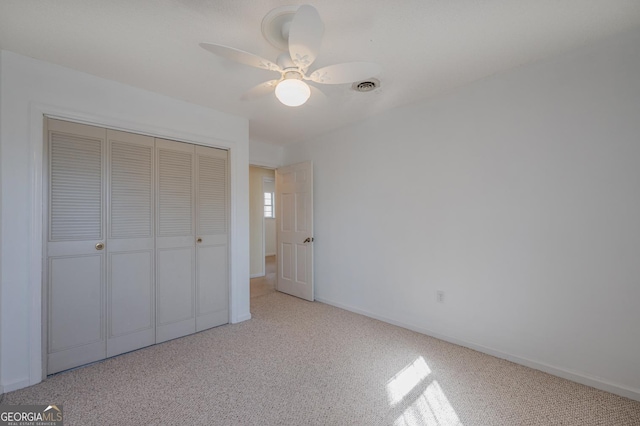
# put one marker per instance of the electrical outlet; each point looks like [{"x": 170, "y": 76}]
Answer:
[{"x": 440, "y": 296}]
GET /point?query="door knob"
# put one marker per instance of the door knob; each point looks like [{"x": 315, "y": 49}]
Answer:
[
  {"x": 308, "y": 240},
  {"x": 99, "y": 246},
  {"x": 199, "y": 240}
]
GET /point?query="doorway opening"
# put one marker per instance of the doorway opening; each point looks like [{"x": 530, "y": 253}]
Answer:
[
  {"x": 262, "y": 230},
  {"x": 293, "y": 196}
]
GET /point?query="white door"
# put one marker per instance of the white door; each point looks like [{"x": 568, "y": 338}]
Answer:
[
  {"x": 75, "y": 245},
  {"x": 212, "y": 283},
  {"x": 130, "y": 242},
  {"x": 294, "y": 221},
  {"x": 175, "y": 240}
]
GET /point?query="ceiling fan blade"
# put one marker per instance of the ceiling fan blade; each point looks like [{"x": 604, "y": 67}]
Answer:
[
  {"x": 260, "y": 90},
  {"x": 317, "y": 98},
  {"x": 240, "y": 56},
  {"x": 345, "y": 73},
  {"x": 305, "y": 36}
]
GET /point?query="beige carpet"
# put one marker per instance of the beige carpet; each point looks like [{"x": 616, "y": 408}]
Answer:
[{"x": 301, "y": 363}]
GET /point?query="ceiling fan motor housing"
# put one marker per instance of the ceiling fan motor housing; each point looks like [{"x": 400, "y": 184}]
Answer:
[{"x": 292, "y": 74}]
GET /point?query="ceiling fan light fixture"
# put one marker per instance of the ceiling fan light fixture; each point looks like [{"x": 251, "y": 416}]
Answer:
[
  {"x": 293, "y": 92},
  {"x": 298, "y": 31}
]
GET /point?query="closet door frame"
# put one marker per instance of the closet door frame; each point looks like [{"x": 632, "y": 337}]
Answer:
[{"x": 39, "y": 193}]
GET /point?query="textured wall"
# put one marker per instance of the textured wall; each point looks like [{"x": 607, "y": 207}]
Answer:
[
  {"x": 517, "y": 196},
  {"x": 29, "y": 86}
]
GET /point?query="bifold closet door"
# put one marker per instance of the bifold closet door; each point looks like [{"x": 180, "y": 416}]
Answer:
[
  {"x": 175, "y": 240},
  {"x": 75, "y": 245},
  {"x": 212, "y": 283},
  {"x": 137, "y": 243},
  {"x": 130, "y": 243}
]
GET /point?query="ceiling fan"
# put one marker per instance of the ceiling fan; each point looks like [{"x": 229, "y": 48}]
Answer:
[{"x": 298, "y": 31}]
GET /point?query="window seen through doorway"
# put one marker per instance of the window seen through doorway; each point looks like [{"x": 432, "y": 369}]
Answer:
[{"x": 269, "y": 205}]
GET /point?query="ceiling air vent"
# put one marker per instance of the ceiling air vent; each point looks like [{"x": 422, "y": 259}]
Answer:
[{"x": 366, "y": 85}]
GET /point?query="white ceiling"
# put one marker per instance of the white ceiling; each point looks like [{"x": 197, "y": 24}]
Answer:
[{"x": 425, "y": 47}]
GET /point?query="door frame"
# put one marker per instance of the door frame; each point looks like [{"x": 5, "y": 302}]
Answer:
[{"x": 37, "y": 139}]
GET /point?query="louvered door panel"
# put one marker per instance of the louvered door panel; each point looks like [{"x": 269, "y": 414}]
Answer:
[
  {"x": 212, "y": 193},
  {"x": 76, "y": 187},
  {"x": 212, "y": 283},
  {"x": 75, "y": 268},
  {"x": 176, "y": 192},
  {"x": 175, "y": 240},
  {"x": 131, "y": 186},
  {"x": 130, "y": 247}
]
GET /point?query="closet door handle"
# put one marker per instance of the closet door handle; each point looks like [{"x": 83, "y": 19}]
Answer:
[
  {"x": 199, "y": 240},
  {"x": 99, "y": 246}
]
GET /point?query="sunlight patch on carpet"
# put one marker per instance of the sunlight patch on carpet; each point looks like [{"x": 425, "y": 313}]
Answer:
[
  {"x": 402, "y": 383},
  {"x": 431, "y": 407}
]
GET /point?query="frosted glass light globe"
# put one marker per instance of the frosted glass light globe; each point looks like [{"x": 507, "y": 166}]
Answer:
[{"x": 292, "y": 92}]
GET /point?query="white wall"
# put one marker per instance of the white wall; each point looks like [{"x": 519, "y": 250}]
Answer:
[
  {"x": 264, "y": 154},
  {"x": 269, "y": 237},
  {"x": 518, "y": 196},
  {"x": 30, "y": 88},
  {"x": 256, "y": 216}
]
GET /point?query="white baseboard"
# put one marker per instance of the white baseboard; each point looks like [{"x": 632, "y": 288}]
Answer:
[
  {"x": 555, "y": 371},
  {"x": 18, "y": 384},
  {"x": 243, "y": 318},
  {"x": 257, "y": 275},
  {"x": 270, "y": 254}
]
